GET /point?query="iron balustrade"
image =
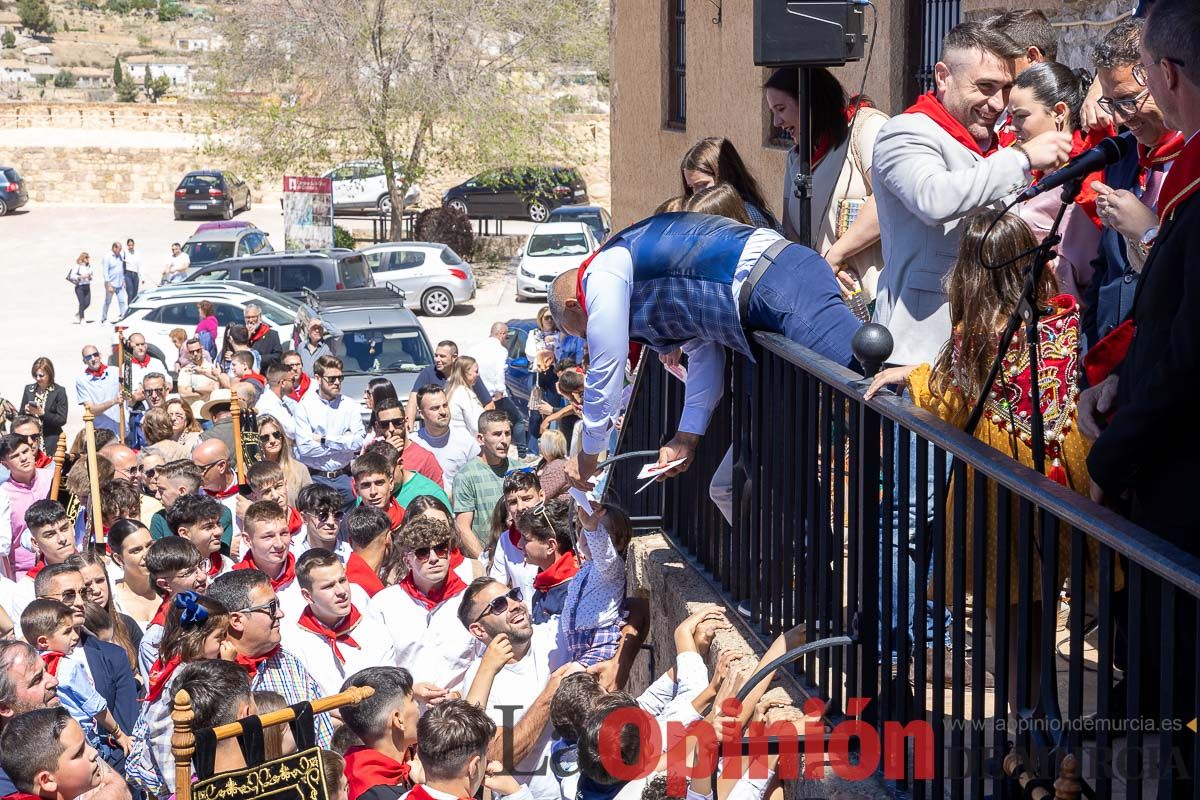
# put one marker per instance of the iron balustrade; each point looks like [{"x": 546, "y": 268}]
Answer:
[{"x": 817, "y": 471}]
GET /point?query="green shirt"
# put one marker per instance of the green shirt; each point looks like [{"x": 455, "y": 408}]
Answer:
[
  {"x": 416, "y": 486},
  {"x": 159, "y": 528},
  {"x": 478, "y": 487}
]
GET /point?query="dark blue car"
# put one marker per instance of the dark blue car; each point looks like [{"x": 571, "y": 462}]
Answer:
[{"x": 12, "y": 190}]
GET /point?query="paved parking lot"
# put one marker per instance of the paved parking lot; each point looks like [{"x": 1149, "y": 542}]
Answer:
[{"x": 39, "y": 244}]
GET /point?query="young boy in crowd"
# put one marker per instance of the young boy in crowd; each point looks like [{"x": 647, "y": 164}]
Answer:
[
  {"x": 176, "y": 479},
  {"x": 46, "y": 755},
  {"x": 53, "y": 542},
  {"x": 220, "y": 693},
  {"x": 594, "y": 607},
  {"x": 267, "y": 482},
  {"x": 25, "y": 485},
  {"x": 175, "y": 565},
  {"x": 334, "y": 767},
  {"x": 370, "y": 533},
  {"x": 332, "y": 636},
  {"x": 546, "y": 541},
  {"x": 119, "y": 499},
  {"x": 49, "y": 626},
  {"x": 409, "y": 484},
  {"x": 452, "y": 743},
  {"x": 268, "y": 547},
  {"x": 197, "y": 518},
  {"x": 386, "y": 722},
  {"x": 320, "y": 507},
  {"x": 374, "y": 485},
  {"x": 522, "y": 490}
]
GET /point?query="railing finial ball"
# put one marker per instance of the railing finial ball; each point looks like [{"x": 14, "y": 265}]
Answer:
[{"x": 872, "y": 345}]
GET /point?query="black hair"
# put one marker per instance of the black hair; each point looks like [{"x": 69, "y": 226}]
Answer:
[
  {"x": 627, "y": 739},
  {"x": 317, "y": 498},
  {"x": 191, "y": 509},
  {"x": 1052, "y": 82},
  {"x": 369, "y": 718},
  {"x": 216, "y": 688},
  {"x": 121, "y": 530},
  {"x": 233, "y": 588},
  {"x": 573, "y": 701},
  {"x": 449, "y": 735},
  {"x": 468, "y": 599},
  {"x": 10, "y": 443},
  {"x": 169, "y": 555},
  {"x": 32, "y": 743},
  {"x": 43, "y": 513},
  {"x": 365, "y": 524}
]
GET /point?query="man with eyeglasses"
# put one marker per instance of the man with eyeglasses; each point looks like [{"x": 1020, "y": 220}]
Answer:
[
  {"x": 421, "y": 611},
  {"x": 329, "y": 428},
  {"x": 320, "y": 509},
  {"x": 150, "y": 392},
  {"x": 275, "y": 401},
  {"x": 142, "y": 363},
  {"x": 388, "y": 424},
  {"x": 527, "y": 678},
  {"x": 31, "y": 428},
  {"x": 263, "y": 338},
  {"x": 254, "y": 631},
  {"x": 26, "y": 485},
  {"x": 218, "y": 477},
  {"x": 1127, "y": 199},
  {"x": 300, "y": 380},
  {"x": 98, "y": 390},
  {"x": 199, "y": 378}
]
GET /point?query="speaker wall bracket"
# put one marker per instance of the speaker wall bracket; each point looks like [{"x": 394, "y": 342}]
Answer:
[{"x": 716, "y": 20}]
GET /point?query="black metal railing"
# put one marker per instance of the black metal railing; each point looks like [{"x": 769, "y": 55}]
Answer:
[
  {"x": 937, "y": 17},
  {"x": 1065, "y": 621}
]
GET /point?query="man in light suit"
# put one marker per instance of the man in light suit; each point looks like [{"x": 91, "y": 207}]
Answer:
[{"x": 933, "y": 165}]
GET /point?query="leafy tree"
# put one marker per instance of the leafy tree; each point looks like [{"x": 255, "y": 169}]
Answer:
[
  {"x": 154, "y": 88},
  {"x": 343, "y": 238},
  {"x": 447, "y": 226},
  {"x": 65, "y": 79},
  {"x": 35, "y": 16},
  {"x": 8, "y": 39},
  {"x": 127, "y": 91},
  {"x": 424, "y": 87},
  {"x": 169, "y": 11},
  {"x": 118, "y": 75}
]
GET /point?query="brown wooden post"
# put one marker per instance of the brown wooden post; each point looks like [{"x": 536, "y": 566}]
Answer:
[
  {"x": 1069, "y": 785},
  {"x": 89, "y": 438},
  {"x": 238, "y": 454},
  {"x": 121, "y": 377},
  {"x": 183, "y": 744},
  {"x": 60, "y": 457}
]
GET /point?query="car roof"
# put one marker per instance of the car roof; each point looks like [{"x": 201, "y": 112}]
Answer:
[
  {"x": 403, "y": 245},
  {"x": 295, "y": 255},
  {"x": 559, "y": 227},
  {"x": 219, "y": 235},
  {"x": 370, "y": 315},
  {"x": 569, "y": 210},
  {"x": 212, "y": 288},
  {"x": 199, "y": 172}
]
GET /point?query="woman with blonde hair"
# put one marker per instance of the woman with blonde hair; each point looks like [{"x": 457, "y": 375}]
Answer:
[
  {"x": 184, "y": 427},
  {"x": 721, "y": 200},
  {"x": 80, "y": 276},
  {"x": 465, "y": 407},
  {"x": 179, "y": 337},
  {"x": 275, "y": 447}
]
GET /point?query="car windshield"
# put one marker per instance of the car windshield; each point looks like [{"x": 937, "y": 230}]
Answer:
[
  {"x": 367, "y": 351},
  {"x": 558, "y": 244},
  {"x": 207, "y": 252},
  {"x": 10, "y": 174}
]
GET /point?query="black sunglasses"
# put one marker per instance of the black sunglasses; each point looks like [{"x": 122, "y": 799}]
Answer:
[
  {"x": 390, "y": 423},
  {"x": 500, "y": 604},
  {"x": 442, "y": 549}
]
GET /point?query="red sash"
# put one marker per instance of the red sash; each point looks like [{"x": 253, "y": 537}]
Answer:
[
  {"x": 215, "y": 563},
  {"x": 359, "y": 572},
  {"x": 160, "y": 673},
  {"x": 334, "y": 636},
  {"x": 561, "y": 571},
  {"x": 450, "y": 587},
  {"x": 35, "y": 569},
  {"x": 395, "y": 514},
  {"x": 286, "y": 577},
  {"x": 252, "y": 663},
  {"x": 300, "y": 389},
  {"x": 259, "y": 333},
  {"x": 51, "y": 659},
  {"x": 1182, "y": 181},
  {"x": 367, "y": 768},
  {"x": 930, "y": 106},
  {"x": 160, "y": 616},
  {"x": 1086, "y": 199},
  {"x": 41, "y": 460},
  {"x": 295, "y": 521}
]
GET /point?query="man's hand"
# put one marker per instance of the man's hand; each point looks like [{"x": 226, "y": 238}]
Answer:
[
  {"x": 429, "y": 693},
  {"x": 1048, "y": 150},
  {"x": 496, "y": 780},
  {"x": 606, "y": 674},
  {"x": 1121, "y": 210},
  {"x": 714, "y": 621},
  {"x": 123, "y": 742},
  {"x": 1094, "y": 406},
  {"x": 570, "y": 668},
  {"x": 672, "y": 358},
  {"x": 498, "y": 653},
  {"x": 682, "y": 446},
  {"x": 396, "y": 440},
  {"x": 580, "y": 469},
  {"x": 1096, "y": 493},
  {"x": 1091, "y": 115}
]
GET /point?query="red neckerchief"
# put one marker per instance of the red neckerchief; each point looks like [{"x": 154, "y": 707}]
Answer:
[
  {"x": 51, "y": 658},
  {"x": 215, "y": 564},
  {"x": 450, "y": 587},
  {"x": 1080, "y": 143},
  {"x": 359, "y": 572},
  {"x": 395, "y": 514},
  {"x": 252, "y": 663},
  {"x": 41, "y": 460},
  {"x": 1182, "y": 181},
  {"x": 145, "y": 362},
  {"x": 930, "y": 106},
  {"x": 259, "y": 332},
  {"x": 22, "y": 796},
  {"x": 514, "y": 536},
  {"x": 299, "y": 391},
  {"x": 33, "y": 571},
  {"x": 228, "y": 491},
  {"x": 286, "y": 577},
  {"x": 456, "y": 558},
  {"x": 295, "y": 521},
  {"x": 160, "y": 673},
  {"x": 160, "y": 616},
  {"x": 334, "y": 636},
  {"x": 821, "y": 148},
  {"x": 258, "y": 378},
  {"x": 561, "y": 571},
  {"x": 367, "y": 768},
  {"x": 97, "y": 373},
  {"x": 418, "y": 793},
  {"x": 1157, "y": 157}
]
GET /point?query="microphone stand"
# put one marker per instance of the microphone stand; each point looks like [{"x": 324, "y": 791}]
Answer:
[{"x": 1029, "y": 311}]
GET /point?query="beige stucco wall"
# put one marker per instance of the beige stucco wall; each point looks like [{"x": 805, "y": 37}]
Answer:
[{"x": 724, "y": 97}]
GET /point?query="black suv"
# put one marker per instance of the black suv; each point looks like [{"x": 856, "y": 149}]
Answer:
[
  {"x": 292, "y": 273},
  {"x": 12, "y": 190},
  {"x": 518, "y": 193},
  {"x": 208, "y": 193}
]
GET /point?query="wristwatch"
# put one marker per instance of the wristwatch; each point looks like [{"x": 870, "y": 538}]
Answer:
[
  {"x": 322, "y": 441},
  {"x": 1147, "y": 241}
]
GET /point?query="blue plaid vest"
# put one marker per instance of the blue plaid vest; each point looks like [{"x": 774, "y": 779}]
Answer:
[{"x": 683, "y": 267}]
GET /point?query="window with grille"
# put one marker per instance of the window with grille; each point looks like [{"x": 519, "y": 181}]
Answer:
[{"x": 676, "y": 64}]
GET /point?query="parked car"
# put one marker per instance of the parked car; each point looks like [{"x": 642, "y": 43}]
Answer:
[
  {"x": 373, "y": 335},
  {"x": 155, "y": 312},
  {"x": 214, "y": 244},
  {"x": 434, "y": 277},
  {"x": 362, "y": 186},
  {"x": 521, "y": 192},
  {"x": 596, "y": 218},
  {"x": 222, "y": 224},
  {"x": 552, "y": 249},
  {"x": 292, "y": 273},
  {"x": 12, "y": 190},
  {"x": 211, "y": 193}
]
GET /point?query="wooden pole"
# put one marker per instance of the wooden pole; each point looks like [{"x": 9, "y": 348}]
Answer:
[
  {"x": 1069, "y": 785},
  {"x": 183, "y": 744},
  {"x": 60, "y": 457},
  {"x": 121, "y": 377},
  {"x": 351, "y": 697},
  {"x": 89, "y": 438},
  {"x": 239, "y": 455}
]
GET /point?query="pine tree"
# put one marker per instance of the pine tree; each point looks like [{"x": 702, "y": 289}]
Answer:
[{"x": 118, "y": 73}]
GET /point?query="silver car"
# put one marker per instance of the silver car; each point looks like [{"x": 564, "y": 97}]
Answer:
[{"x": 434, "y": 278}]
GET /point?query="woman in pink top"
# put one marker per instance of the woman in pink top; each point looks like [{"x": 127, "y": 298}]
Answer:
[{"x": 206, "y": 329}]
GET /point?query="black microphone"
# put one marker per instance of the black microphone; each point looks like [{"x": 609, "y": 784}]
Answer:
[{"x": 1109, "y": 151}]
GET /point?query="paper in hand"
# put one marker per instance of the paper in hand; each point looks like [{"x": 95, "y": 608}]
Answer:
[
  {"x": 678, "y": 370},
  {"x": 582, "y": 499},
  {"x": 651, "y": 470}
]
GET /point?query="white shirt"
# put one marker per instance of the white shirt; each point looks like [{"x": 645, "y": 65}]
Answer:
[
  {"x": 670, "y": 699},
  {"x": 152, "y": 365},
  {"x": 269, "y": 404},
  {"x": 133, "y": 261},
  {"x": 607, "y": 287},
  {"x": 493, "y": 358},
  {"x": 458, "y": 449},
  {"x": 433, "y": 645},
  {"x": 6, "y": 534},
  {"x": 519, "y": 685},
  {"x": 465, "y": 409},
  {"x": 510, "y": 567},
  {"x": 374, "y": 649},
  {"x": 292, "y": 603},
  {"x": 301, "y": 545},
  {"x": 12, "y": 600},
  {"x": 339, "y": 422},
  {"x": 177, "y": 266}
]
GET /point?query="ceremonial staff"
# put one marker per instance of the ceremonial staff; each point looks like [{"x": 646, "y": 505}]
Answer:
[
  {"x": 89, "y": 437},
  {"x": 60, "y": 457},
  {"x": 239, "y": 456},
  {"x": 122, "y": 387}
]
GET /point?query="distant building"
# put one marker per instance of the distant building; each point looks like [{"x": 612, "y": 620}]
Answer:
[
  {"x": 92, "y": 77},
  {"x": 13, "y": 71},
  {"x": 177, "y": 70},
  {"x": 10, "y": 21}
]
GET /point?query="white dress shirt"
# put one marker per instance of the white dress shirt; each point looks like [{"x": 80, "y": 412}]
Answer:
[
  {"x": 301, "y": 545},
  {"x": 375, "y": 649},
  {"x": 607, "y": 287},
  {"x": 339, "y": 422},
  {"x": 452, "y": 453},
  {"x": 433, "y": 645},
  {"x": 465, "y": 409},
  {"x": 137, "y": 372},
  {"x": 133, "y": 262},
  {"x": 281, "y": 410},
  {"x": 493, "y": 358}
]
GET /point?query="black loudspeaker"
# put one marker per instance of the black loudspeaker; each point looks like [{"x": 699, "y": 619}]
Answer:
[{"x": 807, "y": 34}]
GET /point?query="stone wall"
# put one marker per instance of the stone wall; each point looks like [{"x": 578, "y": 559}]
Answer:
[
  {"x": 179, "y": 117},
  {"x": 1080, "y": 23}
]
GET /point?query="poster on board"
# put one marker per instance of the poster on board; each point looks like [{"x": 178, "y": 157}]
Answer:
[{"x": 307, "y": 213}]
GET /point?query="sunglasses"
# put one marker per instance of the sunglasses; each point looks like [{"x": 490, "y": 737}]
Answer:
[
  {"x": 90, "y": 356},
  {"x": 332, "y": 378},
  {"x": 155, "y": 391},
  {"x": 197, "y": 351},
  {"x": 207, "y": 467},
  {"x": 500, "y": 604},
  {"x": 334, "y": 515},
  {"x": 271, "y": 609},
  {"x": 442, "y": 550},
  {"x": 271, "y": 437},
  {"x": 390, "y": 423},
  {"x": 70, "y": 595},
  {"x": 150, "y": 473}
]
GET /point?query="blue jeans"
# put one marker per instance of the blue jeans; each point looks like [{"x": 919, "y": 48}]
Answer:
[
  {"x": 122, "y": 299},
  {"x": 799, "y": 298}
]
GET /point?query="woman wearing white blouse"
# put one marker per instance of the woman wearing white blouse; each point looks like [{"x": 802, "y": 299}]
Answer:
[
  {"x": 80, "y": 276},
  {"x": 465, "y": 407}
]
